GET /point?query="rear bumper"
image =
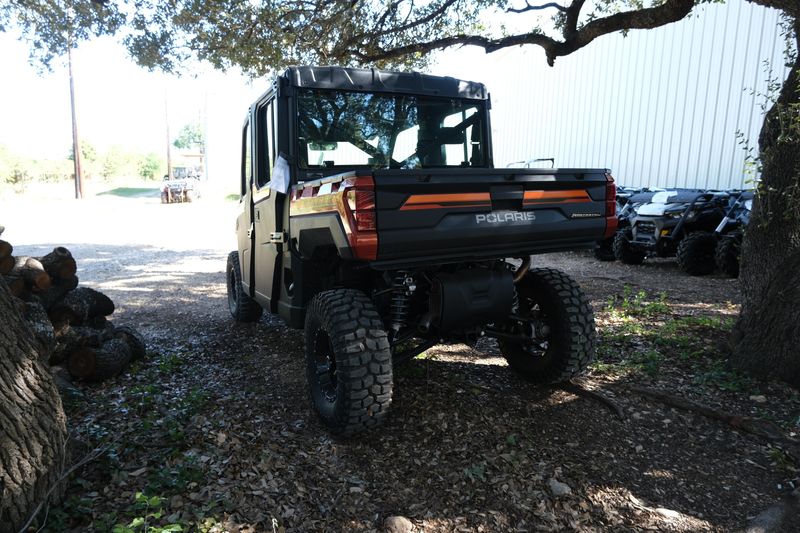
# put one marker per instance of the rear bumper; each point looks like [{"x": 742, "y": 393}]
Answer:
[{"x": 484, "y": 253}]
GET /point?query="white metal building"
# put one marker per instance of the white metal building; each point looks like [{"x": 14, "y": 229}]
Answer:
[{"x": 659, "y": 107}]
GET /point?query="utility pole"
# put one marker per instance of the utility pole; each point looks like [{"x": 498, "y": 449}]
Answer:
[
  {"x": 76, "y": 142},
  {"x": 169, "y": 144},
  {"x": 204, "y": 145}
]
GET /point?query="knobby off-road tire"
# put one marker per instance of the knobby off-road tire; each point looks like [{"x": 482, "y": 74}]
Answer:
[
  {"x": 623, "y": 250},
  {"x": 348, "y": 361},
  {"x": 696, "y": 253},
  {"x": 558, "y": 301},
  {"x": 604, "y": 250},
  {"x": 242, "y": 307},
  {"x": 727, "y": 256}
]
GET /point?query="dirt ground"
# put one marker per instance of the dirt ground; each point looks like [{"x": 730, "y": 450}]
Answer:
[{"x": 215, "y": 429}]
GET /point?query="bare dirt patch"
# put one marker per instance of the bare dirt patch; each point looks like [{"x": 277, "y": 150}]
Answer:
[{"x": 215, "y": 430}]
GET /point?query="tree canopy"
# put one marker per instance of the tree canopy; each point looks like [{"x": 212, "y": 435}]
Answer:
[
  {"x": 259, "y": 37},
  {"x": 190, "y": 136}
]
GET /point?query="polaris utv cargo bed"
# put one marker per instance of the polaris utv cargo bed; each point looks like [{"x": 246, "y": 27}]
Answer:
[{"x": 447, "y": 215}]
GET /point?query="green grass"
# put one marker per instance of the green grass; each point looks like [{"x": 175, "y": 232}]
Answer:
[
  {"x": 638, "y": 304},
  {"x": 132, "y": 192},
  {"x": 232, "y": 197},
  {"x": 648, "y": 362},
  {"x": 645, "y": 337},
  {"x": 717, "y": 373}
]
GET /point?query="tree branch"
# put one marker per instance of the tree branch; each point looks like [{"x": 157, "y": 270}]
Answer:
[
  {"x": 639, "y": 19},
  {"x": 571, "y": 24},
  {"x": 405, "y": 27},
  {"x": 790, "y": 7},
  {"x": 490, "y": 45},
  {"x": 530, "y": 7},
  {"x": 575, "y": 39}
]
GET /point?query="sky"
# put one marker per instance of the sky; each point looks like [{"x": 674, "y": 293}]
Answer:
[{"x": 118, "y": 103}]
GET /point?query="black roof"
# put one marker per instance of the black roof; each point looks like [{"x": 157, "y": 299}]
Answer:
[
  {"x": 374, "y": 80},
  {"x": 641, "y": 197}
]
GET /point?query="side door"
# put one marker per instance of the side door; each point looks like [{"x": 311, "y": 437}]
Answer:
[
  {"x": 267, "y": 215},
  {"x": 245, "y": 231}
]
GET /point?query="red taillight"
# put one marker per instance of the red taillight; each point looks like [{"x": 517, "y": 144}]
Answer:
[
  {"x": 611, "y": 207},
  {"x": 360, "y": 220},
  {"x": 361, "y": 200}
]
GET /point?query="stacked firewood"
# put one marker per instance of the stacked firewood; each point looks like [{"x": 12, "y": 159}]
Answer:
[{"x": 69, "y": 322}]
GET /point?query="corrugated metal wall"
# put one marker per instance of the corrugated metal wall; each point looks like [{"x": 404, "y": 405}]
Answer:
[{"x": 659, "y": 107}]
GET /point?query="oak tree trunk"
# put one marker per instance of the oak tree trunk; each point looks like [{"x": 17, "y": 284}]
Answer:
[
  {"x": 33, "y": 429},
  {"x": 767, "y": 334}
]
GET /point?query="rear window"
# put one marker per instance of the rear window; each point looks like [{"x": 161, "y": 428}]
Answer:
[{"x": 345, "y": 129}]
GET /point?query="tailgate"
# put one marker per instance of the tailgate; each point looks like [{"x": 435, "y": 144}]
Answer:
[{"x": 468, "y": 213}]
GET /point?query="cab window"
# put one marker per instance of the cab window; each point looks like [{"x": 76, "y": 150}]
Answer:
[
  {"x": 266, "y": 151},
  {"x": 247, "y": 164}
]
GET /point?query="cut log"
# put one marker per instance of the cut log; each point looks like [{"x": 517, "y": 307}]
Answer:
[
  {"x": 57, "y": 290},
  {"x": 71, "y": 338},
  {"x": 6, "y": 264},
  {"x": 79, "y": 306},
  {"x": 68, "y": 340},
  {"x": 133, "y": 339},
  {"x": 59, "y": 263},
  {"x": 81, "y": 362},
  {"x": 98, "y": 322},
  {"x": 5, "y": 248},
  {"x": 98, "y": 364},
  {"x": 32, "y": 271}
]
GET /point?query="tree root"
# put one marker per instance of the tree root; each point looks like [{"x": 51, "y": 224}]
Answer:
[
  {"x": 759, "y": 427},
  {"x": 578, "y": 390}
]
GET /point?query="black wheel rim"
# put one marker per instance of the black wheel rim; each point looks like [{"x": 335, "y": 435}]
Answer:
[
  {"x": 325, "y": 361},
  {"x": 232, "y": 295},
  {"x": 538, "y": 325}
]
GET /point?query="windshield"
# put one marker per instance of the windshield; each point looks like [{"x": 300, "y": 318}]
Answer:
[{"x": 340, "y": 128}]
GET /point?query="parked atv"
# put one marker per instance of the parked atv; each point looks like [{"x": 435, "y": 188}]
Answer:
[
  {"x": 730, "y": 231},
  {"x": 183, "y": 187},
  {"x": 628, "y": 201},
  {"x": 675, "y": 223}
]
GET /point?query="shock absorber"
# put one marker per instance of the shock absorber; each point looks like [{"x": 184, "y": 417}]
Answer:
[
  {"x": 515, "y": 302},
  {"x": 403, "y": 286}
]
